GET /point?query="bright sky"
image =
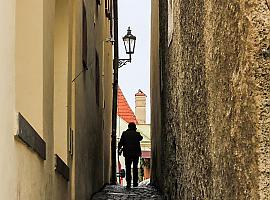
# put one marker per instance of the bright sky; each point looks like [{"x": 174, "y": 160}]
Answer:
[{"x": 135, "y": 75}]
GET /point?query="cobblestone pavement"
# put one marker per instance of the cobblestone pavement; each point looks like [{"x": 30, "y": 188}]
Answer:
[{"x": 116, "y": 192}]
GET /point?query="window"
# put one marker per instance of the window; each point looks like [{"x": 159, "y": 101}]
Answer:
[
  {"x": 108, "y": 8},
  {"x": 170, "y": 21},
  {"x": 84, "y": 37},
  {"x": 97, "y": 79}
]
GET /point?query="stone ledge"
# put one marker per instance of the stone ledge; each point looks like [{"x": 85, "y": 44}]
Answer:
[
  {"x": 61, "y": 167},
  {"x": 27, "y": 134}
]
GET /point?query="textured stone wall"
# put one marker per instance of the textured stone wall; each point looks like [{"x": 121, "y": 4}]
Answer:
[{"x": 215, "y": 106}]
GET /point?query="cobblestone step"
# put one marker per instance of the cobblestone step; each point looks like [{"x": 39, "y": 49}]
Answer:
[{"x": 116, "y": 192}]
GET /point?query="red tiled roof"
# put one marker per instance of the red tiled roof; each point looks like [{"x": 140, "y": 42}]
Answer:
[
  {"x": 123, "y": 109},
  {"x": 140, "y": 93}
]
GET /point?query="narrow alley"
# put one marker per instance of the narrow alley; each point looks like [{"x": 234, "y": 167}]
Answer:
[
  {"x": 117, "y": 192},
  {"x": 98, "y": 96}
]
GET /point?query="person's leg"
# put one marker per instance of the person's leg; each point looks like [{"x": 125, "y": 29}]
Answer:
[
  {"x": 128, "y": 171},
  {"x": 135, "y": 171}
]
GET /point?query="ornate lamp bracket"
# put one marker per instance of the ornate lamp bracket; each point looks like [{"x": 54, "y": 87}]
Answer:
[{"x": 122, "y": 62}]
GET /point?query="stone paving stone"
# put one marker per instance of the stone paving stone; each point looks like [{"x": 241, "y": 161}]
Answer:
[{"x": 116, "y": 192}]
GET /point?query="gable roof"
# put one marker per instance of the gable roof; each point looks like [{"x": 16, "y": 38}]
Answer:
[
  {"x": 140, "y": 93},
  {"x": 123, "y": 109}
]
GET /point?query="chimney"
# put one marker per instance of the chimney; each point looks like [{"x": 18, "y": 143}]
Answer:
[{"x": 140, "y": 109}]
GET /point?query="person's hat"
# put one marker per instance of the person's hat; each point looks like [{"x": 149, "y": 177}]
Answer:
[{"x": 132, "y": 126}]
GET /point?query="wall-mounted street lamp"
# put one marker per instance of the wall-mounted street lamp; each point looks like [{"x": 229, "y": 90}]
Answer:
[{"x": 129, "y": 42}]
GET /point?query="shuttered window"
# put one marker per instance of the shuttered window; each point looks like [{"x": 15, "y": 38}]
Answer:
[
  {"x": 84, "y": 37},
  {"x": 97, "y": 79},
  {"x": 170, "y": 21},
  {"x": 108, "y": 8}
]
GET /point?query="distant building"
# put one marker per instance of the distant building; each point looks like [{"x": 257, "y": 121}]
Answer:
[
  {"x": 125, "y": 115},
  {"x": 145, "y": 130}
]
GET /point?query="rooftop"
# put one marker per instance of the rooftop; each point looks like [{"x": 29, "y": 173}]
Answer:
[
  {"x": 140, "y": 93},
  {"x": 123, "y": 109}
]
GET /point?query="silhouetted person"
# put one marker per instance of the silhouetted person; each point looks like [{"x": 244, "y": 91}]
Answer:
[{"x": 130, "y": 141}]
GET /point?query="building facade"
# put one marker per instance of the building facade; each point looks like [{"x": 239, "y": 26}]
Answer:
[
  {"x": 56, "y": 76},
  {"x": 210, "y": 99}
]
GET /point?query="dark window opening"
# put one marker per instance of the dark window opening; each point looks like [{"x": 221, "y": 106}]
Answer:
[
  {"x": 108, "y": 12},
  {"x": 84, "y": 38},
  {"x": 97, "y": 79}
]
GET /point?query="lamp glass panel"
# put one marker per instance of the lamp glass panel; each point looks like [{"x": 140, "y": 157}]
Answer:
[
  {"x": 129, "y": 50},
  {"x": 126, "y": 43},
  {"x": 132, "y": 46}
]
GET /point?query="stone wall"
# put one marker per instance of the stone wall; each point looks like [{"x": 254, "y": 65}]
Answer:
[{"x": 215, "y": 100}]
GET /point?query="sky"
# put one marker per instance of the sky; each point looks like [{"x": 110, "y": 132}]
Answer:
[{"x": 135, "y": 75}]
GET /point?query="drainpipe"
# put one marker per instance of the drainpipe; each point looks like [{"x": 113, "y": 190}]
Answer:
[{"x": 115, "y": 91}]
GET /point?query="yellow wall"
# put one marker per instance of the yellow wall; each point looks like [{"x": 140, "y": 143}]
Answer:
[
  {"x": 61, "y": 64},
  {"x": 107, "y": 98},
  {"x": 8, "y": 172},
  {"x": 92, "y": 121},
  {"x": 41, "y": 56},
  {"x": 26, "y": 69},
  {"x": 29, "y": 61}
]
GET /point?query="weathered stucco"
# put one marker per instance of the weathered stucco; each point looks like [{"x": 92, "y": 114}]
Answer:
[
  {"x": 41, "y": 55},
  {"x": 93, "y": 108},
  {"x": 215, "y": 101},
  {"x": 156, "y": 164},
  {"x": 7, "y": 99}
]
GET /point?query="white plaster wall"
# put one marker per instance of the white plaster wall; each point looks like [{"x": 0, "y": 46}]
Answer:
[
  {"x": 145, "y": 130},
  {"x": 122, "y": 125}
]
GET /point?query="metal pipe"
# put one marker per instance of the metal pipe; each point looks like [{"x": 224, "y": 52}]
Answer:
[{"x": 115, "y": 91}]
